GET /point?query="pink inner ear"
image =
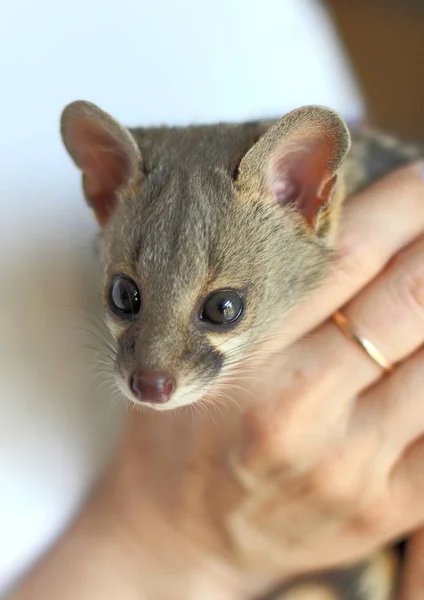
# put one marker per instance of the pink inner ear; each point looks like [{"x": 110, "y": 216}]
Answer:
[
  {"x": 105, "y": 164},
  {"x": 298, "y": 177}
]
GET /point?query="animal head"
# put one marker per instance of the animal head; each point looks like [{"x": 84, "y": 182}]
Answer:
[{"x": 208, "y": 235}]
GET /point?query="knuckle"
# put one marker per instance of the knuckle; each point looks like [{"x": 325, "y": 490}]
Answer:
[
  {"x": 291, "y": 453},
  {"x": 270, "y": 439},
  {"x": 285, "y": 432},
  {"x": 357, "y": 256},
  {"x": 409, "y": 285},
  {"x": 277, "y": 430},
  {"x": 373, "y": 519},
  {"x": 335, "y": 486}
]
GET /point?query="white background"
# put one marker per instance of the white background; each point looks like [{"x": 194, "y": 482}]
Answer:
[{"x": 145, "y": 62}]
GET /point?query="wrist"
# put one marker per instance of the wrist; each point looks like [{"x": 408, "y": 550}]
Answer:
[{"x": 123, "y": 546}]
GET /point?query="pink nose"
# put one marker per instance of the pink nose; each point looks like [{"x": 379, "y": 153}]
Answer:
[{"x": 152, "y": 386}]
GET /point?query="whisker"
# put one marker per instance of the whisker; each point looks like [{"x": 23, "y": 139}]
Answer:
[{"x": 99, "y": 350}]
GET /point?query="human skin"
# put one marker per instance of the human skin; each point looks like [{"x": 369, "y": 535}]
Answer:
[{"x": 329, "y": 449}]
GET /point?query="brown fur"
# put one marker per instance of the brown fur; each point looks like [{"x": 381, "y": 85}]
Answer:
[
  {"x": 186, "y": 211},
  {"x": 376, "y": 579}
]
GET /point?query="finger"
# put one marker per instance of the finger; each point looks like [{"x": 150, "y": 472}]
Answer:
[
  {"x": 375, "y": 225},
  {"x": 389, "y": 313},
  {"x": 407, "y": 484},
  {"x": 393, "y": 409},
  {"x": 323, "y": 372},
  {"x": 412, "y": 587}
]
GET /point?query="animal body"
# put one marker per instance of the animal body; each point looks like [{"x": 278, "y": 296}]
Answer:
[{"x": 209, "y": 235}]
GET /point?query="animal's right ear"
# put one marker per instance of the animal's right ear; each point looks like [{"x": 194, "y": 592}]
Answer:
[{"x": 104, "y": 151}]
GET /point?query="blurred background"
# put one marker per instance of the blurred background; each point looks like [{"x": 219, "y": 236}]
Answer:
[
  {"x": 385, "y": 44},
  {"x": 146, "y": 62}
]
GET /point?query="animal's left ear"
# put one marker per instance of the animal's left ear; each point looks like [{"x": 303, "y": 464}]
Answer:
[{"x": 298, "y": 159}]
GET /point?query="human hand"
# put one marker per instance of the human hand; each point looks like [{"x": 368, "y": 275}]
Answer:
[
  {"x": 322, "y": 467},
  {"x": 330, "y": 453},
  {"x": 340, "y": 448}
]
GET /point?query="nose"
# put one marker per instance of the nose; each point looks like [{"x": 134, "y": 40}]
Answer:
[{"x": 152, "y": 386}]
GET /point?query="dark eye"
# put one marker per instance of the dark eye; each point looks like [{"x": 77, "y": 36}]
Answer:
[
  {"x": 222, "y": 308},
  {"x": 124, "y": 297}
]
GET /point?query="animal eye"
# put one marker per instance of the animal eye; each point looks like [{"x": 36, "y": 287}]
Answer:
[
  {"x": 222, "y": 308},
  {"x": 124, "y": 297}
]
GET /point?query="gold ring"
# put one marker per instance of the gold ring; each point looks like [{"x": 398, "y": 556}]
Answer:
[{"x": 369, "y": 348}]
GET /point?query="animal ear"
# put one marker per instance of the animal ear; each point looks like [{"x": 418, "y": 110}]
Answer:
[
  {"x": 298, "y": 159},
  {"x": 105, "y": 152}
]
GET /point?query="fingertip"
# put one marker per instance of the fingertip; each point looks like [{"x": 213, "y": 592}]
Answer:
[
  {"x": 412, "y": 169},
  {"x": 407, "y": 178}
]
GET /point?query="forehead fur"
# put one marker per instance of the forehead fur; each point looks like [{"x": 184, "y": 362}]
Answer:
[{"x": 186, "y": 204}]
